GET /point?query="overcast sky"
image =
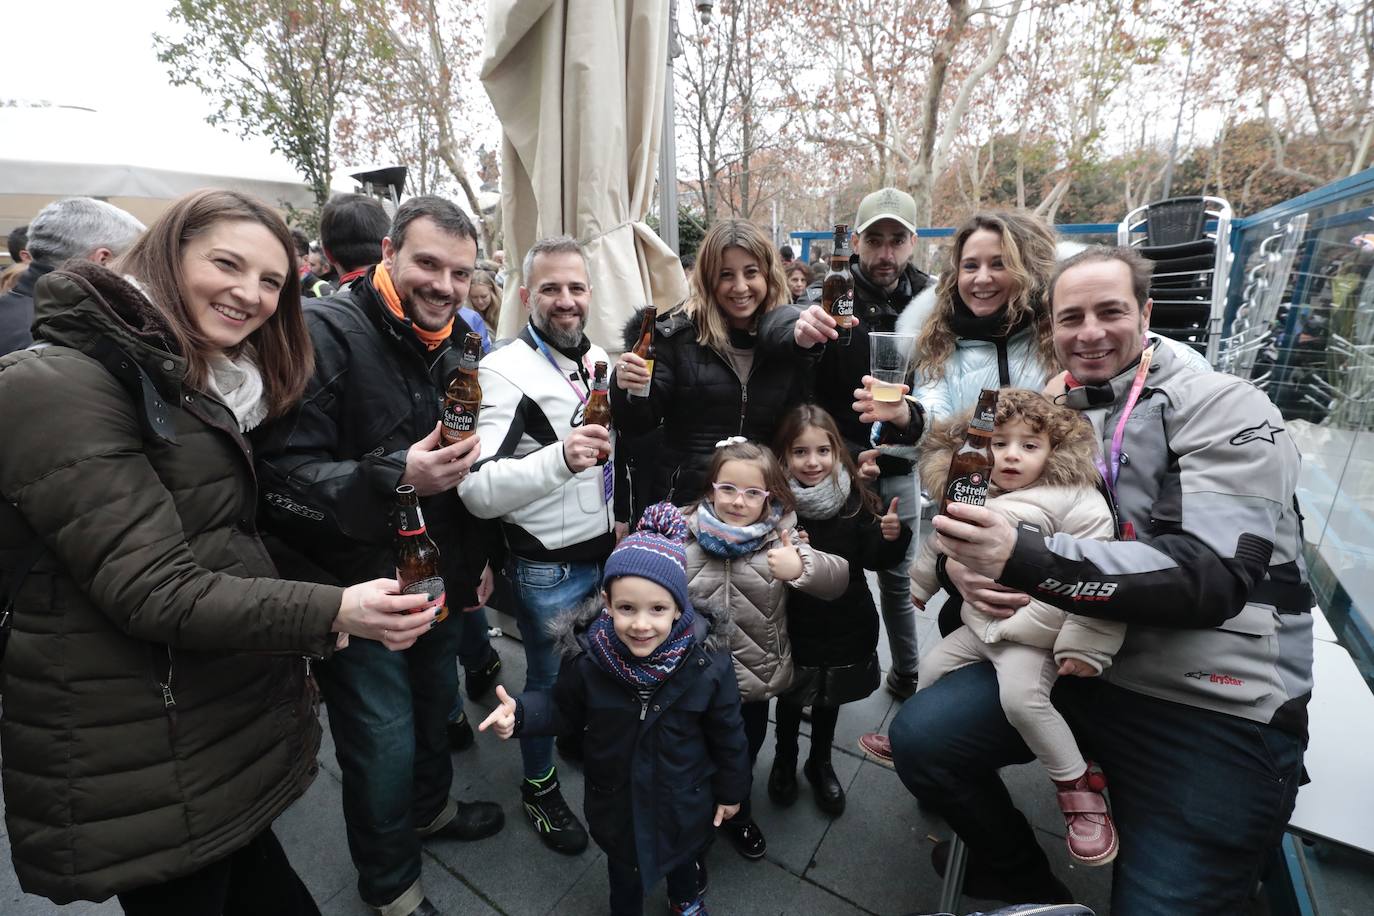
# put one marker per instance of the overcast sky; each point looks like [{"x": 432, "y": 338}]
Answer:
[{"x": 98, "y": 54}]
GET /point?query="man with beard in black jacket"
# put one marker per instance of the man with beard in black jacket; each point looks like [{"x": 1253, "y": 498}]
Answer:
[
  {"x": 368, "y": 423},
  {"x": 885, "y": 283}
]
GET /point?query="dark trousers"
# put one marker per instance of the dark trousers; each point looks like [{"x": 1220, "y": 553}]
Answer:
[
  {"x": 823, "y": 721},
  {"x": 755, "y": 716},
  {"x": 257, "y": 880},
  {"x": 388, "y": 712},
  {"x": 627, "y": 891},
  {"x": 1199, "y": 798}
]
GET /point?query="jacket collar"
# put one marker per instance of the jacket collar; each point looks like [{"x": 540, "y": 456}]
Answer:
[
  {"x": 1163, "y": 364},
  {"x": 30, "y": 277}
]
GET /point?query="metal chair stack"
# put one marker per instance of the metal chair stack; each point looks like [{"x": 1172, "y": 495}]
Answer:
[{"x": 1189, "y": 239}]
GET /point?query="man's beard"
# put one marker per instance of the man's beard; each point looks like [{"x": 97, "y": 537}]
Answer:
[
  {"x": 556, "y": 335},
  {"x": 417, "y": 317}
]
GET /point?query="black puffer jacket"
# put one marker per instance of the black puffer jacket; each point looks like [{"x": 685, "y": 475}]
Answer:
[
  {"x": 842, "y": 631},
  {"x": 158, "y": 715},
  {"x": 330, "y": 467},
  {"x": 655, "y": 768},
  {"x": 700, "y": 399},
  {"x": 635, "y": 453},
  {"x": 840, "y": 369}
]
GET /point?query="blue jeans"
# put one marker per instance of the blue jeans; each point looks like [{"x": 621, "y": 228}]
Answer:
[
  {"x": 894, "y": 584},
  {"x": 542, "y": 592},
  {"x": 387, "y": 712},
  {"x": 472, "y": 650},
  {"x": 1199, "y": 798}
]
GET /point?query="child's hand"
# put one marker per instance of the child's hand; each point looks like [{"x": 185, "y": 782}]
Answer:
[
  {"x": 785, "y": 562},
  {"x": 1077, "y": 668},
  {"x": 502, "y": 718},
  {"x": 890, "y": 524},
  {"x": 725, "y": 812}
]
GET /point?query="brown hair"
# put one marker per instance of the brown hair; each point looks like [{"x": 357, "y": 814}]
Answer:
[
  {"x": 1029, "y": 256},
  {"x": 1140, "y": 268},
  {"x": 797, "y": 267},
  {"x": 701, "y": 305},
  {"x": 280, "y": 346},
  {"x": 796, "y": 422},
  {"x": 759, "y": 455},
  {"x": 493, "y": 311}
]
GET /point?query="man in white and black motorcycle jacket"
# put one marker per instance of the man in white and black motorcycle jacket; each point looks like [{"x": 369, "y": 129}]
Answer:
[{"x": 1200, "y": 724}]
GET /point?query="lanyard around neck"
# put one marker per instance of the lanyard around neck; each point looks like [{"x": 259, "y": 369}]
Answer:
[
  {"x": 543, "y": 348},
  {"x": 1110, "y": 472}
]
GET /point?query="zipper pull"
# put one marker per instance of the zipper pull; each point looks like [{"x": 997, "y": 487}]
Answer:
[
  {"x": 643, "y": 709},
  {"x": 168, "y": 701}
]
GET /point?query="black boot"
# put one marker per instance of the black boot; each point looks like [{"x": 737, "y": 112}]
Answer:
[
  {"x": 825, "y": 785},
  {"x": 460, "y": 736},
  {"x": 483, "y": 677},
  {"x": 782, "y": 782}
]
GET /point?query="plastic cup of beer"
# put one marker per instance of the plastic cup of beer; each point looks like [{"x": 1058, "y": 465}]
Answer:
[{"x": 889, "y": 359}]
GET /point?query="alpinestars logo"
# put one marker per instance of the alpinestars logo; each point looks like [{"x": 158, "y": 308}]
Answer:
[
  {"x": 292, "y": 506},
  {"x": 1261, "y": 433},
  {"x": 1224, "y": 680},
  {"x": 1079, "y": 591}
]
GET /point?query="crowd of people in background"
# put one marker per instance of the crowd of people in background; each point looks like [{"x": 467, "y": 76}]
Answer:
[{"x": 208, "y": 419}]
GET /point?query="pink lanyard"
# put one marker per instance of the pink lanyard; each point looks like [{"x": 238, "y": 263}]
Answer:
[{"x": 1111, "y": 473}]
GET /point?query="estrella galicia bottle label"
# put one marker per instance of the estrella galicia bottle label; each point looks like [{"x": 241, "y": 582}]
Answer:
[
  {"x": 460, "y": 420},
  {"x": 970, "y": 488}
]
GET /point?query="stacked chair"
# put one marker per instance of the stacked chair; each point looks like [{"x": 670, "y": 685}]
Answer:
[{"x": 1189, "y": 239}]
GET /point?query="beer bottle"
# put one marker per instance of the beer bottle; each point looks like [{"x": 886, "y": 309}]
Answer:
[
  {"x": 463, "y": 399},
  {"x": 645, "y": 350},
  {"x": 837, "y": 292},
  {"x": 971, "y": 468},
  {"x": 417, "y": 559},
  {"x": 598, "y": 409}
]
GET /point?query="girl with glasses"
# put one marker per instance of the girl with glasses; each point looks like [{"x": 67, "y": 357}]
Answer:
[{"x": 745, "y": 555}]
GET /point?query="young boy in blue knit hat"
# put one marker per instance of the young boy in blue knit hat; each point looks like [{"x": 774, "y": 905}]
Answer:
[{"x": 650, "y": 680}]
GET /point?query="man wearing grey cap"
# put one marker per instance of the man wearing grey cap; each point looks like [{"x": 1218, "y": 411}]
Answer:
[
  {"x": 78, "y": 227},
  {"x": 885, "y": 283}
]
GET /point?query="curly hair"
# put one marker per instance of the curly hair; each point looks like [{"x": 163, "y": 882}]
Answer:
[
  {"x": 701, "y": 305},
  {"x": 1029, "y": 255}
]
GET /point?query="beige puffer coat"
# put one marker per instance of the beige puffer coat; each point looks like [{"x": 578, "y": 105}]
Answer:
[
  {"x": 1065, "y": 499},
  {"x": 758, "y": 603}
]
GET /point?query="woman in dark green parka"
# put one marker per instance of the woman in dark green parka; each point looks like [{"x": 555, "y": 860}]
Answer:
[{"x": 158, "y": 713}]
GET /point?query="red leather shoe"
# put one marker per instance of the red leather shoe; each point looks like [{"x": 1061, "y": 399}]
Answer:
[
  {"x": 877, "y": 747},
  {"x": 1088, "y": 828}
]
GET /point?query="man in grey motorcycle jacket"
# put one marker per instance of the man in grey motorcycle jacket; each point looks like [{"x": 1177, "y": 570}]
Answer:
[{"x": 1200, "y": 724}]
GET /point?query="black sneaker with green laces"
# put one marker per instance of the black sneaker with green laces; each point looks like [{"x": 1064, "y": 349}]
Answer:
[{"x": 551, "y": 817}]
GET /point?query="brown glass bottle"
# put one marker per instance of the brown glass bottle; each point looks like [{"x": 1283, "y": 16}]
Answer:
[
  {"x": 417, "y": 559},
  {"x": 463, "y": 399},
  {"x": 598, "y": 409},
  {"x": 646, "y": 351},
  {"x": 971, "y": 468},
  {"x": 837, "y": 292}
]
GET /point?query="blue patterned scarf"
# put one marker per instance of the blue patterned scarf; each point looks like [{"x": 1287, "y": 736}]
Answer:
[
  {"x": 722, "y": 539},
  {"x": 649, "y": 672}
]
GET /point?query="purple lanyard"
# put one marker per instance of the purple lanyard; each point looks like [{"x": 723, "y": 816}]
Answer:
[
  {"x": 539, "y": 341},
  {"x": 1110, "y": 474}
]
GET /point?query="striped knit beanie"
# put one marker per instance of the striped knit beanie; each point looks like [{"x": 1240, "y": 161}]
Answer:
[{"x": 656, "y": 551}]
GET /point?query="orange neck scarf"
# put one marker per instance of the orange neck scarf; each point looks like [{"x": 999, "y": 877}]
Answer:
[{"x": 387, "y": 290}]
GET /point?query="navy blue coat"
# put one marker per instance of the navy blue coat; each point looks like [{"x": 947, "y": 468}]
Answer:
[{"x": 654, "y": 771}]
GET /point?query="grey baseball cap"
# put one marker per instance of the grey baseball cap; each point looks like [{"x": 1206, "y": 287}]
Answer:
[{"x": 887, "y": 203}]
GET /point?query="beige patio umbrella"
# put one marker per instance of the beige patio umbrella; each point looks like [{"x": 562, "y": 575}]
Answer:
[{"x": 578, "y": 87}]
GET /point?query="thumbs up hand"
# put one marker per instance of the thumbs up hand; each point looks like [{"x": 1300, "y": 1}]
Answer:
[
  {"x": 891, "y": 524},
  {"x": 785, "y": 562},
  {"x": 502, "y": 718}
]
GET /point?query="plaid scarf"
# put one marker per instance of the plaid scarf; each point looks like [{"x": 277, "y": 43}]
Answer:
[
  {"x": 640, "y": 673},
  {"x": 722, "y": 539}
]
